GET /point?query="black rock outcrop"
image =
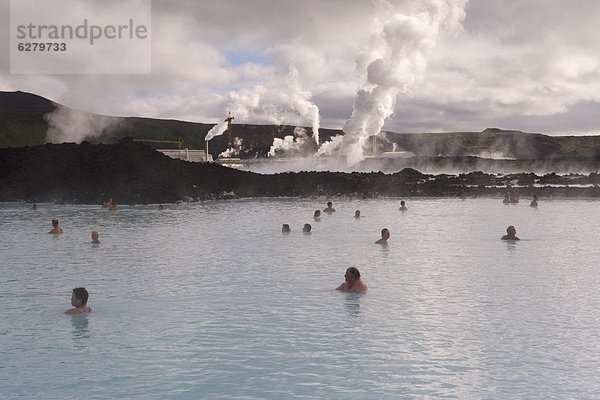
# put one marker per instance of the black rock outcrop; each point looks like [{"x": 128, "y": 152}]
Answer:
[{"x": 134, "y": 173}]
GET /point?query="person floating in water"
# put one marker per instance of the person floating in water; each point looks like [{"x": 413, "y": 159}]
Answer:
[
  {"x": 511, "y": 234},
  {"x": 161, "y": 207},
  {"x": 79, "y": 300},
  {"x": 285, "y": 228},
  {"x": 317, "y": 215},
  {"x": 329, "y": 210},
  {"x": 113, "y": 206},
  {"x": 306, "y": 228},
  {"x": 107, "y": 203},
  {"x": 385, "y": 235},
  {"x": 357, "y": 214},
  {"x": 95, "y": 237},
  {"x": 403, "y": 206},
  {"x": 34, "y": 206},
  {"x": 56, "y": 230},
  {"x": 534, "y": 202},
  {"x": 353, "y": 283}
]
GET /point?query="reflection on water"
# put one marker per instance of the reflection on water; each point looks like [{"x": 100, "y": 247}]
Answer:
[
  {"x": 80, "y": 330},
  {"x": 511, "y": 245},
  {"x": 352, "y": 304},
  {"x": 384, "y": 250}
]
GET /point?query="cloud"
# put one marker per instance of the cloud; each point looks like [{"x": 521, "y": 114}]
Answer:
[
  {"x": 282, "y": 101},
  {"x": 513, "y": 64}
]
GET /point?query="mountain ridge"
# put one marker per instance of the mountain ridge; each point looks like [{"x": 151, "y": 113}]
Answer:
[{"x": 24, "y": 121}]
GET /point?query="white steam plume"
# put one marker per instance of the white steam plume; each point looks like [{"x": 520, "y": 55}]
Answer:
[
  {"x": 216, "y": 130},
  {"x": 68, "y": 125},
  {"x": 290, "y": 143},
  {"x": 330, "y": 146},
  {"x": 301, "y": 103},
  {"x": 233, "y": 151},
  {"x": 281, "y": 100},
  {"x": 394, "y": 63}
]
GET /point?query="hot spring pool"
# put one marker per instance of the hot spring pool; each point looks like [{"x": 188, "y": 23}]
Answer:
[{"x": 210, "y": 300}]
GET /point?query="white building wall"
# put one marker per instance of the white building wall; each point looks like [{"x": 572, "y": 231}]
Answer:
[{"x": 187, "y": 155}]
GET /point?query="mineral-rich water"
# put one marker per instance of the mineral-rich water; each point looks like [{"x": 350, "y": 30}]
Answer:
[{"x": 210, "y": 300}]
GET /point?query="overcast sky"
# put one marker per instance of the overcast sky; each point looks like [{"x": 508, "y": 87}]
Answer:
[{"x": 527, "y": 65}]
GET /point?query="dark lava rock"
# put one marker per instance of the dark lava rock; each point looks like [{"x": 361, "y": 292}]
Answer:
[{"x": 132, "y": 173}]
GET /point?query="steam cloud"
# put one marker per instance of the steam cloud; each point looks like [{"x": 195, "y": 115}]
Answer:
[
  {"x": 216, "y": 130},
  {"x": 394, "y": 63},
  {"x": 289, "y": 144},
  {"x": 233, "y": 151},
  {"x": 68, "y": 125},
  {"x": 279, "y": 102}
]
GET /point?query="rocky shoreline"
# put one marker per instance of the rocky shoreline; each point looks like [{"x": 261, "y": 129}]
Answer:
[{"x": 132, "y": 173}]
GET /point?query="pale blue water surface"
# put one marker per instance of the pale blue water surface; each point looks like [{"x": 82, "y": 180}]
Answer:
[{"x": 209, "y": 300}]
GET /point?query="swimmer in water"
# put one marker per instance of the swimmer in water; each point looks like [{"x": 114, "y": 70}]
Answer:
[
  {"x": 514, "y": 198},
  {"x": 306, "y": 228},
  {"x": 353, "y": 283},
  {"x": 357, "y": 214},
  {"x": 511, "y": 233},
  {"x": 161, "y": 207},
  {"x": 95, "y": 237},
  {"x": 317, "y": 215},
  {"x": 79, "y": 300},
  {"x": 285, "y": 228},
  {"x": 534, "y": 202},
  {"x": 34, "y": 206},
  {"x": 329, "y": 210},
  {"x": 403, "y": 206},
  {"x": 56, "y": 230},
  {"x": 385, "y": 235}
]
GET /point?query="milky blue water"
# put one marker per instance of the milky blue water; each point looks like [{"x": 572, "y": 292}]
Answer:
[{"x": 210, "y": 300}]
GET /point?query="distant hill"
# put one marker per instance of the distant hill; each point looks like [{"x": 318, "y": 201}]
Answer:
[
  {"x": 22, "y": 119},
  {"x": 24, "y": 122},
  {"x": 497, "y": 143}
]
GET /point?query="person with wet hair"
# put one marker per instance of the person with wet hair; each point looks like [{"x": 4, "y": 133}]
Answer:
[
  {"x": 95, "y": 237},
  {"x": 285, "y": 228},
  {"x": 352, "y": 283},
  {"x": 534, "y": 202},
  {"x": 329, "y": 210},
  {"x": 56, "y": 230},
  {"x": 511, "y": 234},
  {"x": 403, "y": 206},
  {"x": 385, "y": 235},
  {"x": 357, "y": 214},
  {"x": 307, "y": 228},
  {"x": 317, "y": 215},
  {"x": 79, "y": 299}
]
